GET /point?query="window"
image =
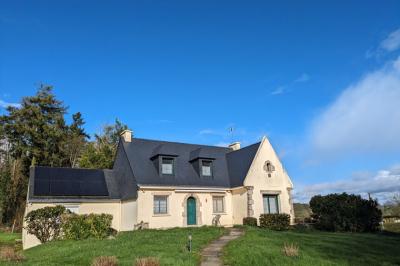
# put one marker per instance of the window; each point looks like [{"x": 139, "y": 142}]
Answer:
[
  {"x": 271, "y": 204},
  {"x": 167, "y": 166},
  {"x": 206, "y": 168},
  {"x": 160, "y": 205},
  {"x": 218, "y": 204}
]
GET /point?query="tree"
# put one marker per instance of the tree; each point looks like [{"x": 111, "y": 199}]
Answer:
[
  {"x": 36, "y": 134},
  {"x": 344, "y": 212},
  {"x": 76, "y": 139},
  {"x": 100, "y": 153}
]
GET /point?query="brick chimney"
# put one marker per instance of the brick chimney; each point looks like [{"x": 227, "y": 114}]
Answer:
[
  {"x": 127, "y": 135},
  {"x": 235, "y": 146}
]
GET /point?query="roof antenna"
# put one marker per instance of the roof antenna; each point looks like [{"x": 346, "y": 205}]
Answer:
[{"x": 231, "y": 131}]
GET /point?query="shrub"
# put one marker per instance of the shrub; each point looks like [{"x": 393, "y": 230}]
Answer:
[
  {"x": 105, "y": 261},
  {"x": 344, "y": 212},
  {"x": 250, "y": 221},
  {"x": 275, "y": 221},
  {"x": 8, "y": 253},
  {"x": 45, "y": 223},
  {"x": 87, "y": 226},
  {"x": 290, "y": 250},
  {"x": 149, "y": 261}
]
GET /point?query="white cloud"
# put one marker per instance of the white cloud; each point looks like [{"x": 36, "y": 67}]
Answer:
[
  {"x": 303, "y": 78},
  {"x": 279, "y": 90},
  {"x": 392, "y": 42},
  {"x": 382, "y": 185},
  {"x": 207, "y": 132},
  {"x": 4, "y": 104},
  {"x": 364, "y": 118},
  {"x": 287, "y": 88}
]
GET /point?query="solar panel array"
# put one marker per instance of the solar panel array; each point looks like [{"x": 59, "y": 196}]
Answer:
[{"x": 69, "y": 182}]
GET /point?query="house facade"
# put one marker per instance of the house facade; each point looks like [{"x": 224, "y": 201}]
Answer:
[{"x": 159, "y": 184}]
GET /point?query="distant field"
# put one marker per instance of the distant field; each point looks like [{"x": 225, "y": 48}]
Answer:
[
  {"x": 264, "y": 247},
  {"x": 392, "y": 227}
]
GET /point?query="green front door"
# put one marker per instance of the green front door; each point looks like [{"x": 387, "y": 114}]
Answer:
[{"x": 191, "y": 211}]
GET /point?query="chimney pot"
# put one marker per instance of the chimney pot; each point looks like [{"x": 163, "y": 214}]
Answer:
[
  {"x": 235, "y": 146},
  {"x": 127, "y": 135}
]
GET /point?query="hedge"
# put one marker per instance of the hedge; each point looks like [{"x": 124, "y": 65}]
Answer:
[
  {"x": 275, "y": 221},
  {"x": 86, "y": 226},
  {"x": 251, "y": 221}
]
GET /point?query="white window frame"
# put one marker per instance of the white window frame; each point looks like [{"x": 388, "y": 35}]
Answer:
[
  {"x": 215, "y": 205},
  {"x": 159, "y": 207},
  {"x": 172, "y": 165},
  {"x": 210, "y": 167}
]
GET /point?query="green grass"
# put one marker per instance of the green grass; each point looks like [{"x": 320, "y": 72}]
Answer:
[
  {"x": 8, "y": 238},
  {"x": 263, "y": 247},
  {"x": 167, "y": 245}
]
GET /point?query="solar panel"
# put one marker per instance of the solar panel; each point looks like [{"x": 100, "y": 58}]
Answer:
[{"x": 69, "y": 182}]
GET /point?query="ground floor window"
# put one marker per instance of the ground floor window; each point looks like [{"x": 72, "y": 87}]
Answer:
[
  {"x": 271, "y": 204},
  {"x": 218, "y": 204},
  {"x": 160, "y": 204}
]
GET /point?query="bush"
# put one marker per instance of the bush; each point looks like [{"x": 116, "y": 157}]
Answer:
[
  {"x": 150, "y": 261},
  {"x": 250, "y": 221},
  {"x": 45, "y": 223},
  {"x": 85, "y": 226},
  {"x": 275, "y": 221},
  {"x": 344, "y": 212},
  {"x": 105, "y": 261}
]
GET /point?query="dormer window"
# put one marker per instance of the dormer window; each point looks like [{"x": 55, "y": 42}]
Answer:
[
  {"x": 167, "y": 165},
  {"x": 206, "y": 168}
]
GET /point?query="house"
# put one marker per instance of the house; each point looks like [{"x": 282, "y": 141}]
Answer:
[{"x": 162, "y": 184}]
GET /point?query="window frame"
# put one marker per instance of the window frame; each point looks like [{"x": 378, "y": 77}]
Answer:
[
  {"x": 159, "y": 206},
  {"x": 222, "y": 198},
  {"x": 211, "y": 167},
  {"x": 161, "y": 165},
  {"x": 268, "y": 196}
]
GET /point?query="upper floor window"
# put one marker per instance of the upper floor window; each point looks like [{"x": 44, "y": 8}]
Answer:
[
  {"x": 206, "y": 168},
  {"x": 167, "y": 166}
]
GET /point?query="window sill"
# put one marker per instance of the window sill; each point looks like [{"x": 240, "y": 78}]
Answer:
[
  {"x": 161, "y": 215},
  {"x": 220, "y": 213}
]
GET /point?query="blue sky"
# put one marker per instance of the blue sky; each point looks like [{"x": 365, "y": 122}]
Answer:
[{"x": 321, "y": 80}]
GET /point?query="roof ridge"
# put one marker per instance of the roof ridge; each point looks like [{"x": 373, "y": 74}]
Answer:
[{"x": 176, "y": 142}]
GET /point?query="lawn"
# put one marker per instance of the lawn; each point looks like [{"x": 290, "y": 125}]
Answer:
[
  {"x": 167, "y": 245},
  {"x": 8, "y": 238},
  {"x": 263, "y": 247}
]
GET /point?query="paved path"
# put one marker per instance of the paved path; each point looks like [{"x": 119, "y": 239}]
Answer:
[{"x": 212, "y": 253}]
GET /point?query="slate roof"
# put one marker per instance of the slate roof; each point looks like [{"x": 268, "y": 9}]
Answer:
[{"x": 135, "y": 166}]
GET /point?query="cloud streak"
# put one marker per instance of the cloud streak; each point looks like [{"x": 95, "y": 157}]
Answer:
[
  {"x": 392, "y": 42},
  {"x": 364, "y": 118},
  {"x": 287, "y": 88},
  {"x": 5, "y": 104},
  {"x": 381, "y": 185}
]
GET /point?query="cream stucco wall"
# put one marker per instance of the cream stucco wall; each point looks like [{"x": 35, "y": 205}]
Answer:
[
  {"x": 128, "y": 215},
  {"x": 113, "y": 208},
  {"x": 176, "y": 216},
  {"x": 239, "y": 205},
  {"x": 279, "y": 183}
]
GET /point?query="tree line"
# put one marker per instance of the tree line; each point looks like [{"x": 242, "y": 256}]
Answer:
[{"x": 37, "y": 133}]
